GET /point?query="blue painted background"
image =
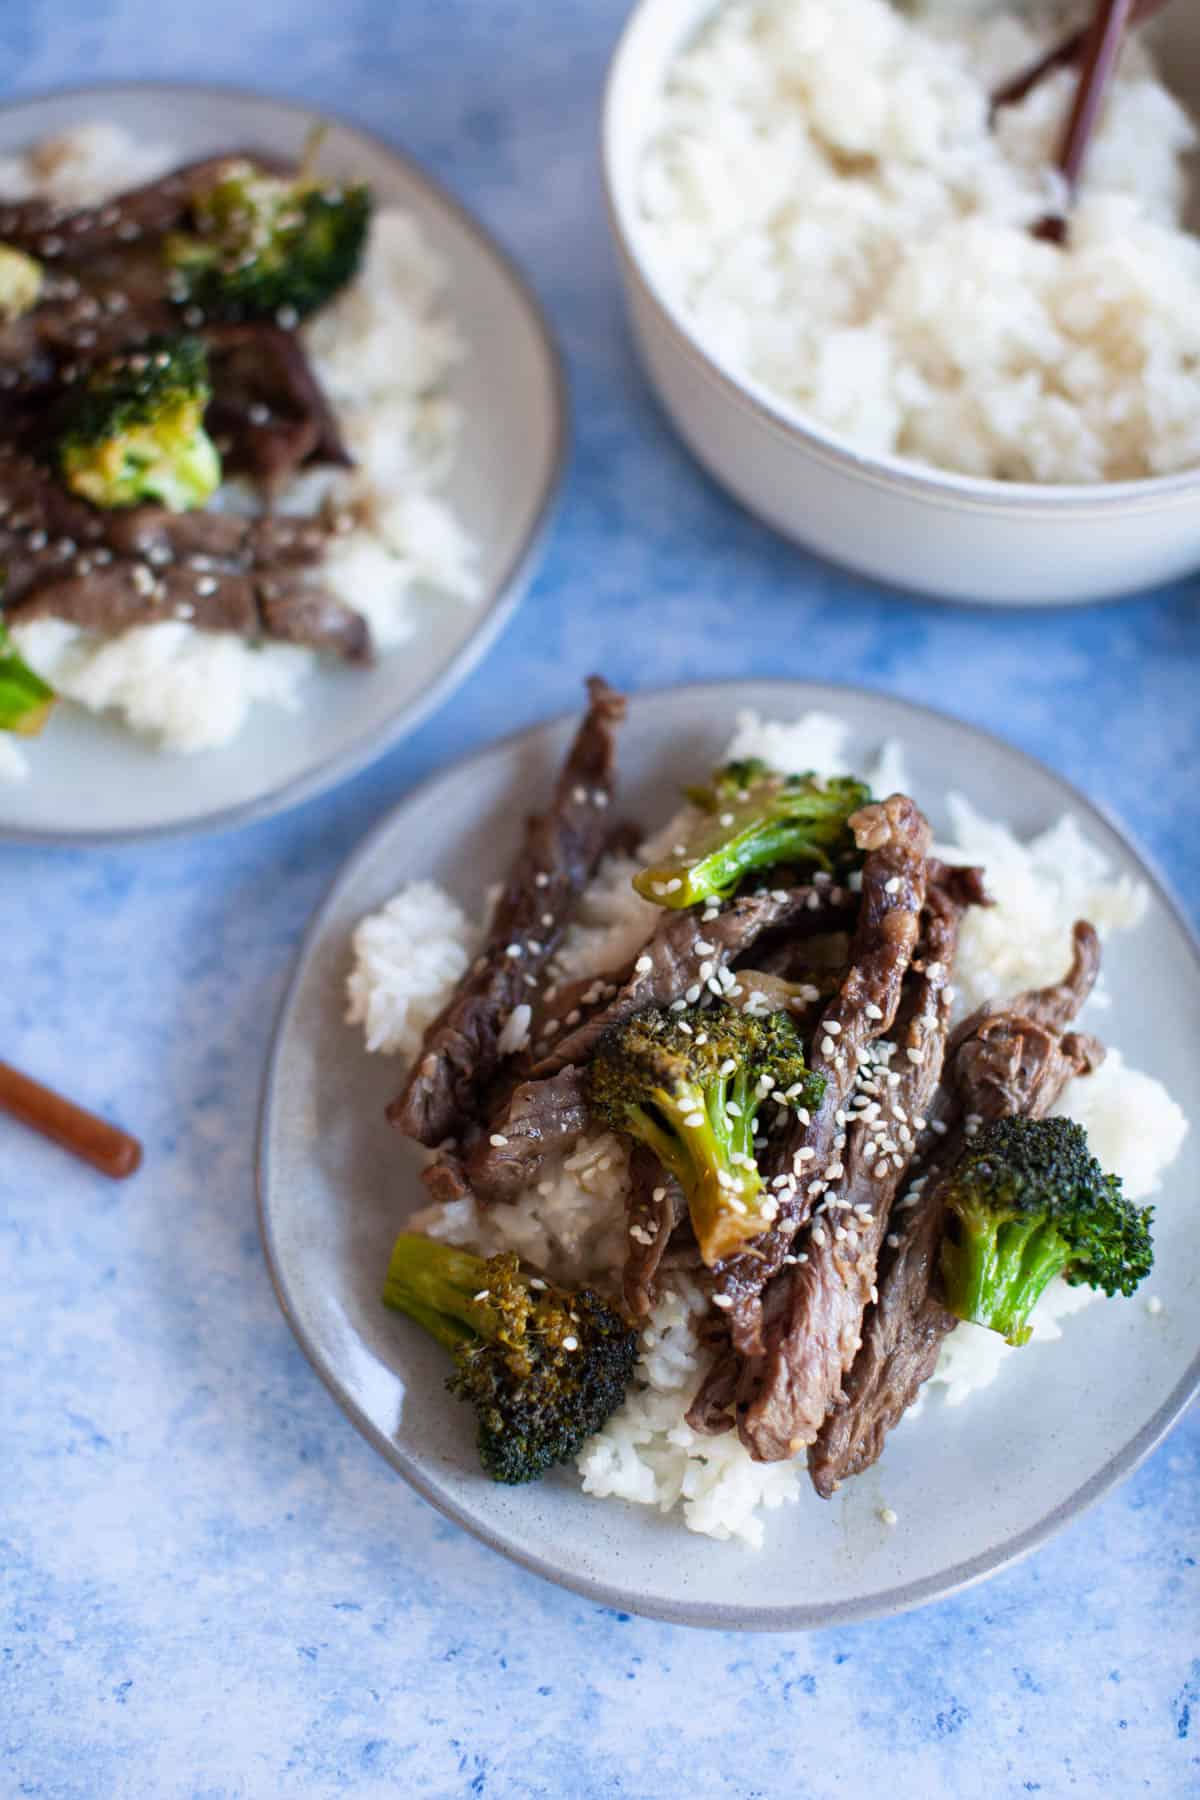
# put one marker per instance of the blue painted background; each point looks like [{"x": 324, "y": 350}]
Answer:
[{"x": 208, "y": 1585}]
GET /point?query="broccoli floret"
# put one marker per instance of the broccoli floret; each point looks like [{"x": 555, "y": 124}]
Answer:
[
  {"x": 133, "y": 429},
  {"x": 20, "y": 283},
  {"x": 755, "y": 818},
  {"x": 689, "y": 1085},
  {"x": 266, "y": 247},
  {"x": 542, "y": 1367},
  {"x": 1027, "y": 1201},
  {"x": 26, "y": 701}
]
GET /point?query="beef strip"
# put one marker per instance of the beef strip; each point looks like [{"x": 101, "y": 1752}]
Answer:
[
  {"x": 268, "y": 415},
  {"x": 681, "y": 944},
  {"x": 538, "y": 1117},
  {"x": 1021, "y": 1067},
  {"x": 557, "y": 858},
  {"x": 896, "y": 839},
  {"x": 67, "y": 235},
  {"x": 816, "y": 1307},
  {"x": 107, "y": 571},
  {"x": 655, "y": 1207}
]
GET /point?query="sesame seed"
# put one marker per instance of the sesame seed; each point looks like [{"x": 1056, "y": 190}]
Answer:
[
  {"x": 729, "y": 1066},
  {"x": 704, "y": 947},
  {"x": 600, "y": 799},
  {"x": 726, "y": 819},
  {"x": 833, "y": 1028},
  {"x": 888, "y": 1516},
  {"x": 483, "y": 1293},
  {"x": 643, "y": 965},
  {"x": 206, "y": 586},
  {"x": 574, "y": 1016},
  {"x": 570, "y": 1343},
  {"x": 881, "y": 1170},
  {"x": 826, "y": 1046},
  {"x": 872, "y": 1011},
  {"x": 541, "y": 880},
  {"x": 1154, "y": 1305},
  {"x": 818, "y": 1237},
  {"x": 693, "y": 993},
  {"x": 723, "y": 1301},
  {"x": 659, "y": 1194},
  {"x": 514, "y": 950},
  {"x": 674, "y": 885},
  {"x": 498, "y": 1140},
  {"x": 893, "y": 1240},
  {"x": 535, "y": 1281},
  {"x": 892, "y": 886}
]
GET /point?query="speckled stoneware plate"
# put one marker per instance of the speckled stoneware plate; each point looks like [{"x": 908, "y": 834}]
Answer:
[
  {"x": 973, "y": 1487},
  {"x": 92, "y": 780}
]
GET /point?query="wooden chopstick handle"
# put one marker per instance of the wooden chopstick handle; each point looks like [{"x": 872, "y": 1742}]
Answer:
[{"x": 93, "y": 1140}]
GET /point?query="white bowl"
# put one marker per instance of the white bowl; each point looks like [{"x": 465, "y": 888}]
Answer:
[{"x": 903, "y": 523}]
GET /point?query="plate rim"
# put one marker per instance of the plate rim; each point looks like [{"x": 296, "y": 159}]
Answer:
[
  {"x": 888, "y": 1602},
  {"x": 494, "y": 611}
]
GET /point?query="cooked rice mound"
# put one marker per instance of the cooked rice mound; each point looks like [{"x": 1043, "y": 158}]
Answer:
[{"x": 826, "y": 203}]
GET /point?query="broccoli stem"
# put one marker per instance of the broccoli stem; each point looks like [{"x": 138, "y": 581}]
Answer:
[
  {"x": 26, "y": 701},
  {"x": 435, "y": 1284},
  {"x": 998, "y": 1270},
  {"x": 771, "y": 821},
  {"x": 710, "y": 1152}
]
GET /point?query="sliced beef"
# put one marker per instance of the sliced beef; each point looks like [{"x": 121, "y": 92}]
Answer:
[
  {"x": 678, "y": 953},
  {"x": 655, "y": 1207},
  {"x": 896, "y": 839},
  {"x": 557, "y": 858},
  {"x": 816, "y": 1306},
  {"x": 107, "y": 571},
  {"x": 1010, "y": 1056},
  {"x": 61, "y": 235},
  {"x": 539, "y": 1117},
  {"x": 268, "y": 415},
  {"x": 684, "y": 952},
  {"x": 1005, "y": 1061}
]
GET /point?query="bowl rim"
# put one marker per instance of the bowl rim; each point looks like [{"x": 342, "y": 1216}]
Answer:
[
  {"x": 495, "y": 609},
  {"x": 918, "y": 481},
  {"x": 901, "y": 1598}
]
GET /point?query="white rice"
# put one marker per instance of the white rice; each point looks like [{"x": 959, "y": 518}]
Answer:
[
  {"x": 382, "y": 351},
  {"x": 823, "y": 198},
  {"x": 573, "y": 1224}
]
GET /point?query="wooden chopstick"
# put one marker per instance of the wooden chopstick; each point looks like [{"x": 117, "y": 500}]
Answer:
[
  {"x": 1061, "y": 57},
  {"x": 93, "y": 1140},
  {"x": 1105, "y": 36}
]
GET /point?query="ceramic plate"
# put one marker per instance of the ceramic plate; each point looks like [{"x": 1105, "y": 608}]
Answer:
[
  {"x": 94, "y": 780},
  {"x": 972, "y": 1486}
]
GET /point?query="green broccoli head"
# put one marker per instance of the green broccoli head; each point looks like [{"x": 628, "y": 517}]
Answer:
[
  {"x": 542, "y": 1367},
  {"x": 133, "y": 429},
  {"x": 20, "y": 283},
  {"x": 26, "y": 701},
  {"x": 689, "y": 1085},
  {"x": 1027, "y": 1201},
  {"x": 265, "y": 247},
  {"x": 752, "y": 817}
]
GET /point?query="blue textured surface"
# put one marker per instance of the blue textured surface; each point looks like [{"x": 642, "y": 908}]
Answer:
[{"x": 208, "y": 1585}]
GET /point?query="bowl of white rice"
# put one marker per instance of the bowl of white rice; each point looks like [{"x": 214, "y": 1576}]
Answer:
[{"x": 827, "y": 251}]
